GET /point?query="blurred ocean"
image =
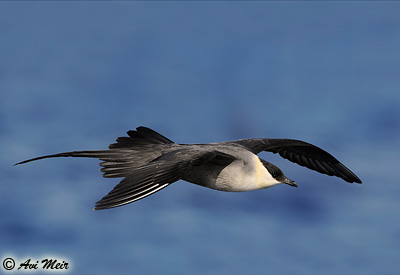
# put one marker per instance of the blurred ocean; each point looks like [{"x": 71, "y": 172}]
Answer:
[{"x": 76, "y": 75}]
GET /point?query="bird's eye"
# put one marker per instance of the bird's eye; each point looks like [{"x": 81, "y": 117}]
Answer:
[{"x": 274, "y": 174}]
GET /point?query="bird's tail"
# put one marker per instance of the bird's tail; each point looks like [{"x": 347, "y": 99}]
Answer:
[
  {"x": 144, "y": 142},
  {"x": 100, "y": 154}
]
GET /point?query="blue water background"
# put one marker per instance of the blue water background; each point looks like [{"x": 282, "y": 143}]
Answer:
[{"x": 76, "y": 75}]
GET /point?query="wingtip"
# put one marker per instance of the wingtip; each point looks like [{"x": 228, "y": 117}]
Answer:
[
  {"x": 96, "y": 207},
  {"x": 100, "y": 206},
  {"x": 354, "y": 179}
]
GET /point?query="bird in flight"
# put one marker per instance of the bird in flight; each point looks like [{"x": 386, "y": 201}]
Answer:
[{"x": 148, "y": 162}]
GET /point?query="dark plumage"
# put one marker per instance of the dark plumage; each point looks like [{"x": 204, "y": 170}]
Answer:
[{"x": 149, "y": 162}]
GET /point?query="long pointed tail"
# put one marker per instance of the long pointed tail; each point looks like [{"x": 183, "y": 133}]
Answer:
[{"x": 82, "y": 154}]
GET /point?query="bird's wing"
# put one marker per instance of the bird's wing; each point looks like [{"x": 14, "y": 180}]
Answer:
[
  {"x": 140, "y": 183},
  {"x": 158, "y": 174},
  {"x": 140, "y": 137},
  {"x": 302, "y": 153}
]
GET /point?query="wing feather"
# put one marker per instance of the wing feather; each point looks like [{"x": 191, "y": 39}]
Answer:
[
  {"x": 302, "y": 153},
  {"x": 156, "y": 175}
]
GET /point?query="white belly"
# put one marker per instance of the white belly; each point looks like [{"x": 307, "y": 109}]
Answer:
[{"x": 241, "y": 175}]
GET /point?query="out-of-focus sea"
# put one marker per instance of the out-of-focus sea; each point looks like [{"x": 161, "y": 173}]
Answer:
[{"x": 76, "y": 75}]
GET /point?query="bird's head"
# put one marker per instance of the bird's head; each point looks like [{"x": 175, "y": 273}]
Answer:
[{"x": 277, "y": 175}]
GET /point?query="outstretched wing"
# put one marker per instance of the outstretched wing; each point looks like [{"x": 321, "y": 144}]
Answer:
[
  {"x": 142, "y": 182},
  {"x": 142, "y": 136},
  {"x": 156, "y": 175},
  {"x": 302, "y": 153}
]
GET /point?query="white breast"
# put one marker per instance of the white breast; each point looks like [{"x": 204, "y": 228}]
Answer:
[{"x": 245, "y": 175}]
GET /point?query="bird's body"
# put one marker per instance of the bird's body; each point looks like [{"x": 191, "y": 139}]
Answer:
[
  {"x": 149, "y": 162},
  {"x": 244, "y": 173}
]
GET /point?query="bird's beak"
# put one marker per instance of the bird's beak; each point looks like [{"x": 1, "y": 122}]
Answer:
[{"x": 290, "y": 182}]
